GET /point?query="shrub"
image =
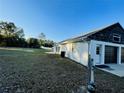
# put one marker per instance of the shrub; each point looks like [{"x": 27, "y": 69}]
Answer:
[{"x": 3, "y": 44}]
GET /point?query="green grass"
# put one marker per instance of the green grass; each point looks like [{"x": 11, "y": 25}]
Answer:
[{"x": 38, "y": 72}]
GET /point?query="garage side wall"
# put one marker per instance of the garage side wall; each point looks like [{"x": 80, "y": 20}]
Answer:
[{"x": 76, "y": 51}]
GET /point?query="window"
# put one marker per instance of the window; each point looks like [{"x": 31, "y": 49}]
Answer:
[
  {"x": 116, "y": 37},
  {"x": 97, "y": 50}
]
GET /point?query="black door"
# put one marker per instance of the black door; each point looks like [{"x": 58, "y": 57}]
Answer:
[
  {"x": 122, "y": 55},
  {"x": 110, "y": 54}
]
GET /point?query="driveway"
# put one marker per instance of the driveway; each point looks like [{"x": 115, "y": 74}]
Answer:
[{"x": 116, "y": 69}]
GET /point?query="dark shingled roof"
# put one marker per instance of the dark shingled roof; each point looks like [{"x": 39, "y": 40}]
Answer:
[{"x": 85, "y": 36}]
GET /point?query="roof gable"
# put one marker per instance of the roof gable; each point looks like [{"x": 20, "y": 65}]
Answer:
[
  {"x": 107, "y": 34},
  {"x": 116, "y": 28}
]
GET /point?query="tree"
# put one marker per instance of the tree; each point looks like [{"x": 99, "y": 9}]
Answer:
[
  {"x": 33, "y": 43},
  {"x": 42, "y": 36},
  {"x": 19, "y": 32},
  {"x": 11, "y": 34},
  {"x": 7, "y": 29},
  {"x": 44, "y": 42},
  {"x": 48, "y": 43}
]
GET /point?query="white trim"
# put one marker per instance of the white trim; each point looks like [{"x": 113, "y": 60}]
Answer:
[
  {"x": 93, "y": 44},
  {"x": 107, "y": 43},
  {"x": 103, "y": 54},
  {"x": 119, "y": 55}
]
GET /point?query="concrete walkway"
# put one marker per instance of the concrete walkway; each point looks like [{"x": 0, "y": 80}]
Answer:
[{"x": 116, "y": 69}]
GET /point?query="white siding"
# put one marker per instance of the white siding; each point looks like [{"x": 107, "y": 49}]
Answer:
[
  {"x": 76, "y": 51},
  {"x": 80, "y": 53},
  {"x": 56, "y": 49},
  {"x": 68, "y": 49}
]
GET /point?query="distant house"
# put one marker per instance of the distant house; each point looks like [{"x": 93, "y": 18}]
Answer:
[{"x": 105, "y": 46}]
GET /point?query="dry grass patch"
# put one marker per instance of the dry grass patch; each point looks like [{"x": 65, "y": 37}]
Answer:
[{"x": 37, "y": 72}]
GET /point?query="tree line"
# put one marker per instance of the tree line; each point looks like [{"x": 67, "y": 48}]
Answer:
[{"x": 13, "y": 36}]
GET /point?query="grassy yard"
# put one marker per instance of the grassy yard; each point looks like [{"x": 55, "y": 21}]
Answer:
[{"x": 36, "y": 72}]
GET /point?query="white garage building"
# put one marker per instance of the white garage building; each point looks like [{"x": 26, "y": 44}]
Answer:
[{"x": 105, "y": 46}]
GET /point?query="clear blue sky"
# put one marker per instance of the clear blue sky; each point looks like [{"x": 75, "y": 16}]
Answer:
[{"x": 61, "y": 19}]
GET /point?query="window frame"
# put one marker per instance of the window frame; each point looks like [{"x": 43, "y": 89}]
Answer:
[{"x": 117, "y": 36}]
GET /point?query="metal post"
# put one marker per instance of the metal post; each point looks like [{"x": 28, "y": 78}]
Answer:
[{"x": 91, "y": 84}]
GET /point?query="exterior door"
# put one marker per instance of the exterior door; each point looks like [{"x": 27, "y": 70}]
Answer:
[
  {"x": 98, "y": 54},
  {"x": 122, "y": 55},
  {"x": 110, "y": 54}
]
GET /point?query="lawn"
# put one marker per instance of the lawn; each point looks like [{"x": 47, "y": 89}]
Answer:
[{"x": 37, "y": 72}]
